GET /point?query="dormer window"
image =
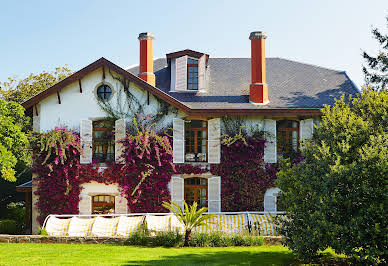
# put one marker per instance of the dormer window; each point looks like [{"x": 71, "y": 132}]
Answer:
[
  {"x": 188, "y": 71},
  {"x": 192, "y": 74}
]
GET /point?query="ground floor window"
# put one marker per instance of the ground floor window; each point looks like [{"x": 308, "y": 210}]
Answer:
[
  {"x": 196, "y": 191},
  {"x": 103, "y": 204}
]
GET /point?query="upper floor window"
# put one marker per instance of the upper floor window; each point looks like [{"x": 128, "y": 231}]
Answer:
[
  {"x": 192, "y": 74},
  {"x": 196, "y": 141},
  {"x": 104, "y": 92},
  {"x": 287, "y": 132},
  {"x": 103, "y": 141}
]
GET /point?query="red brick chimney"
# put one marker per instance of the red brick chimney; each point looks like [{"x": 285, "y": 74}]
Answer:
[
  {"x": 258, "y": 90},
  {"x": 146, "y": 69}
]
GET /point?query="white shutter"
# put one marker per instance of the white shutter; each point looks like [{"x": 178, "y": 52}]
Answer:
[
  {"x": 270, "y": 145},
  {"x": 119, "y": 135},
  {"x": 269, "y": 203},
  {"x": 181, "y": 73},
  {"x": 270, "y": 199},
  {"x": 86, "y": 131},
  {"x": 177, "y": 190},
  {"x": 306, "y": 129},
  {"x": 85, "y": 204},
  {"x": 121, "y": 205},
  {"x": 178, "y": 141},
  {"x": 214, "y": 140},
  {"x": 202, "y": 73},
  {"x": 214, "y": 194}
]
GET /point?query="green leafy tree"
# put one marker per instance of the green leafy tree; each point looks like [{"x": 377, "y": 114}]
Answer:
[
  {"x": 190, "y": 218},
  {"x": 337, "y": 196},
  {"x": 376, "y": 71},
  {"x": 21, "y": 90},
  {"x": 13, "y": 139}
]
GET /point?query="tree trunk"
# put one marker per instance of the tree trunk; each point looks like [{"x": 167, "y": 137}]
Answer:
[{"x": 187, "y": 238}]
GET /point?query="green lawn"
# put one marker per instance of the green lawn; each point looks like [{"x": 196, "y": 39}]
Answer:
[{"x": 94, "y": 254}]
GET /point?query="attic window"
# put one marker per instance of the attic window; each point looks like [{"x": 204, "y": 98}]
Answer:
[
  {"x": 192, "y": 74},
  {"x": 104, "y": 92}
]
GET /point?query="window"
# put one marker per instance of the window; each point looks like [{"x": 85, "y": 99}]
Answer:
[
  {"x": 287, "y": 132},
  {"x": 103, "y": 141},
  {"x": 196, "y": 141},
  {"x": 196, "y": 191},
  {"x": 104, "y": 92},
  {"x": 103, "y": 204},
  {"x": 192, "y": 74}
]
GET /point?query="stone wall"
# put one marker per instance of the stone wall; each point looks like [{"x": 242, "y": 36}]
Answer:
[{"x": 269, "y": 240}]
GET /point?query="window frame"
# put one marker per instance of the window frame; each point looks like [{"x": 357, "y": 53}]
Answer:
[
  {"x": 104, "y": 144},
  {"x": 188, "y": 72},
  {"x": 195, "y": 145},
  {"x": 103, "y": 204},
  {"x": 104, "y": 92},
  {"x": 289, "y": 149},
  {"x": 196, "y": 189}
]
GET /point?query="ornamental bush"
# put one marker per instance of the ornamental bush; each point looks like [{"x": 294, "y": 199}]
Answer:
[{"x": 337, "y": 196}]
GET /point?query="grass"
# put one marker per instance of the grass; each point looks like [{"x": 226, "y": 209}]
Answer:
[{"x": 100, "y": 254}]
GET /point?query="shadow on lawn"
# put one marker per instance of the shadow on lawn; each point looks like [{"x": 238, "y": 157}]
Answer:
[{"x": 222, "y": 258}]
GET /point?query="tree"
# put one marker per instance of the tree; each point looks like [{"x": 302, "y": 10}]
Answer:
[
  {"x": 21, "y": 90},
  {"x": 190, "y": 218},
  {"x": 13, "y": 139},
  {"x": 337, "y": 196},
  {"x": 376, "y": 72}
]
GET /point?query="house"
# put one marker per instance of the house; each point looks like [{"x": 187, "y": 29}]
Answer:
[{"x": 279, "y": 96}]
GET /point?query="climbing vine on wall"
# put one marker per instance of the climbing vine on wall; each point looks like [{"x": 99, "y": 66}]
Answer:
[{"x": 147, "y": 171}]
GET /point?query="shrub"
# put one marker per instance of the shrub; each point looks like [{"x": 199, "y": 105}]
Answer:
[
  {"x": 337, "y": 196},
  {"x": 167, "y": 239},
  {"x": 222, "y": 240},
  {"x": 42, "y": 232},
  {"x": 16, "y": 212},
  {"x": 9, "y": 227},
  {"x": 139, "y": 238}
]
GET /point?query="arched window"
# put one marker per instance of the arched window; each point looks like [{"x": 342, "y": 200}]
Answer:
[
  {"x": 103, "y": 141},
  {"x": 270, "y": 200},
  {"x": 196, "y": 191},
  {"x": 103, "y": 204},
  {"x": 287, "y": 132}
]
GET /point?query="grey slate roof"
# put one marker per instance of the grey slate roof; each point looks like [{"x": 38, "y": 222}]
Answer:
[{"x": 290, "y": 84}]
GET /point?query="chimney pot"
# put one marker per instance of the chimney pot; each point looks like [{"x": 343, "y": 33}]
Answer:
[
  {"x": 146, "y": 36},
  {"x": 257, "y": 35}
]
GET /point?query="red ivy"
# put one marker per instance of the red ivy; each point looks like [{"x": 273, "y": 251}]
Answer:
[{"x": 244, "y": 179}]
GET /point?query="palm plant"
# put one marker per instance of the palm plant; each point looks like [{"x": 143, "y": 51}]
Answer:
[{"x": 190, "y": 217}]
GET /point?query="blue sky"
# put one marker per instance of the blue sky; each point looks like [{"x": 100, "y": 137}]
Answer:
[{"x": 40, "y": 35}]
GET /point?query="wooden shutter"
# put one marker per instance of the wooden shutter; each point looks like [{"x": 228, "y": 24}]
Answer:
[
  {"x": 306, "y": 129},
  {"x": 202, "y": 73},
  {"x": 270, "y": 145},
  {"x": 86, "y": 134},
  {"x": 214, "y": 140},
  {"x": 120, "y": 134},
  {"x": 214, "y": 194},
  {"x": 177, "y": 190},
  {"x": 121, "y": 205},
  {"x": 85, "y": 204},
  {"x": 181, "y": 73},
  {"x": 178, "y": 140}
]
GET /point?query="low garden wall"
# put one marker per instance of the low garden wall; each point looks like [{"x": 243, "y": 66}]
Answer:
[{"x": 269, "y": 240}]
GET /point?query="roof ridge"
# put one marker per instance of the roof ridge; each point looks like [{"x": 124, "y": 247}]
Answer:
[{"x": 309, "y": 64}]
